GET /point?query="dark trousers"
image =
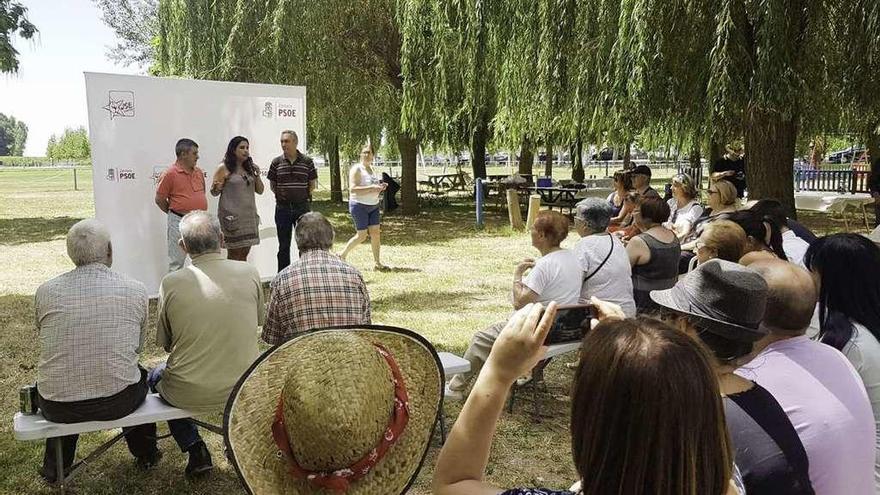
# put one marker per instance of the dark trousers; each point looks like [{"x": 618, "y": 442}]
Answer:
[
  {"x": 184, "y": 431},
  {"x": 141, "y": 439},
  {"x": 286, "y": 216}
]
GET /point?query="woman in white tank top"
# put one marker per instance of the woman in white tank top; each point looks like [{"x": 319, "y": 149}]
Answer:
[{"x": 365, "y": 189}]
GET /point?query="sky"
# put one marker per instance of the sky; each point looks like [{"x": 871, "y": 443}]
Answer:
[{"x": 49, "y": 92}]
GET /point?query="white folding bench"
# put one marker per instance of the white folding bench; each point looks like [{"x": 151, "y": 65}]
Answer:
[
  {"x": 28, "y": 427},
  {"x": 538, "y": 374},
  {"x": 153, "y": 410},
  {"x": 452, "y": 365}
]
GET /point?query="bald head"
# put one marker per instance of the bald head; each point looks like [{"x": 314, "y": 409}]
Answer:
[
  {"x": 200, "y": 233},
  {"x": 791, "y": 299}
]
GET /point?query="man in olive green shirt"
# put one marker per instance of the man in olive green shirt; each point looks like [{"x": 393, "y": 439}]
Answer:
[{"x": 208, "y": 318}]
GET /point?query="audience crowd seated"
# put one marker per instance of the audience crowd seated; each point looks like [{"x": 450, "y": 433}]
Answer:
[
  {"x": 657, "y": 446},
  {"x": 817, "y": 388},
  {"x": 722, "y": 203},
  {"x": 208, "y": 315},
  {"x": 555, "y": 276},
  {"x": 768, "y": 410},
  {"x": 846, "y": 270},
  {"x": 654, "y": 253},
  {"x": 684, "y": 206},
  {"x": 92, "y": 323},
  {"x": 317, "y": 290},
  {"x": 723, "y": 303},
  {"x": 604, "y": 263}
]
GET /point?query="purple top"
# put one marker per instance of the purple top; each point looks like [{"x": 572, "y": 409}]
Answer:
[{"x": 824, "y": 399}]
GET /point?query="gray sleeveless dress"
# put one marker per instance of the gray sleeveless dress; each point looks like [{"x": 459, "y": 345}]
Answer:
[{"x": 238, "y": 212}]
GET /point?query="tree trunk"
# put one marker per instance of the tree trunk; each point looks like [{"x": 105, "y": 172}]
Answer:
[
  {"x": 627, "y": 156},
  {"x": 695, "y": 156},
  {"x": 873, "y": 146},
  {"x": 526, "y": 158},
  {"x": 715, "y": 153},
  {"x": 548, "y": 160},
  {"x": 577, "y": 166},
  {"x": 478, "y": 150},
  {"x": 335, "y": 171},
  {"x": 769, "y": 144},
  {"x": 409, "y": 198}
]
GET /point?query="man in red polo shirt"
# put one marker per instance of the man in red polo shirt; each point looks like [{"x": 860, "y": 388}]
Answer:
[{"x": 181, "y": 190}]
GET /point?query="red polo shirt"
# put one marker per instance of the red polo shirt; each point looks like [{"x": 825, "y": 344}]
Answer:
[{"x": 185, "y": 190}]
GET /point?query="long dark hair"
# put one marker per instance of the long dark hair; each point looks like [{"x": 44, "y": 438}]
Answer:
[
  {"x": 849, "y": 270},
  {"x": 756, "y": 225},
  {"x": 231, "y": 162},
  {"x": 617, "y": 447}
]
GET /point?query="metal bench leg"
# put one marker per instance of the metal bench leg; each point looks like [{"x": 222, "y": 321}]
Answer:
[
  {"x": 59, "y": 466},
  {"x": 442, "y": 419}
]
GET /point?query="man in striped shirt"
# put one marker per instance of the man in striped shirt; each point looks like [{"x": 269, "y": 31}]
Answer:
[{"x": 292, "y": 177}]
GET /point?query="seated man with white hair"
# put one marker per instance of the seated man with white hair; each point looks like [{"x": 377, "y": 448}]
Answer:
[
  {"x": 208, "y": 317},
  {"x": 92, "y": 322}
]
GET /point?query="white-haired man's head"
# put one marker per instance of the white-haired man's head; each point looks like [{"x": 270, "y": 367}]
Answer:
[
  {"x": 88, "y": 241},
  {"x": 200, "y": 233}
]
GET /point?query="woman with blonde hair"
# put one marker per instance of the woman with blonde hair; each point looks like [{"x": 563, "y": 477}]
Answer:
[
  {"x": 365, "y": 190},
  {"x": 722, "y": 203},
  {"x": 684, "y": 206}
]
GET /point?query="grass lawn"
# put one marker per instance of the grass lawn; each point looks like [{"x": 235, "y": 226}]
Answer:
[{"x": 450, "y": 280}]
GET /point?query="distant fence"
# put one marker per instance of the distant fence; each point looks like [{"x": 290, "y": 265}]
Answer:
[
  {"x": 41, "y": 162},
  {"x": 841, "y": 179}
]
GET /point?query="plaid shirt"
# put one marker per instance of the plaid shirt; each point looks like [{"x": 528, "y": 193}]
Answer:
[
  {"x": 92, "y": 323},
  {"x": 318, "y": 290}
]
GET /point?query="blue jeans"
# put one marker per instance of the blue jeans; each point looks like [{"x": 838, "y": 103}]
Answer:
[
  {"x": 286, "y": 216},
  {"x": 184, "y": 431}
]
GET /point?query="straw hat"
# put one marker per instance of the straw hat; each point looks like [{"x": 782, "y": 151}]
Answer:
[{"x": 325, "y": 405}]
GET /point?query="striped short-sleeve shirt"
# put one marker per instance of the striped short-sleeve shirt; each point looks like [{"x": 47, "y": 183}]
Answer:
[{"x": 292, "y": 178}]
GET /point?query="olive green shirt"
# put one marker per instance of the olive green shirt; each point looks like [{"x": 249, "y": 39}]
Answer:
[{"x": 208, "y": 318}]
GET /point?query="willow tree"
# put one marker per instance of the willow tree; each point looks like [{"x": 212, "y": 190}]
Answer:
[{"x": 13, "y": 21}]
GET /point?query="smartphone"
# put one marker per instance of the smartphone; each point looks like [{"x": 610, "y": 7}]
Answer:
[{"x": 571, "y": 323}]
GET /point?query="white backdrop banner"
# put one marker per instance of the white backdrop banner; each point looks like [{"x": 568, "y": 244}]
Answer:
[{"x": 134, "y": 122}]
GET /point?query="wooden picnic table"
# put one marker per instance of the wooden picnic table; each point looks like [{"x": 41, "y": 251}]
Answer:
[
  {"x": 557, "y": 196},
  {"x": 448, "y": 182}
]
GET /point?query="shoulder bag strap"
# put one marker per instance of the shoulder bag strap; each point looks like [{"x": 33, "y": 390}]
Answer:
[{"x": 588, "y": 277}]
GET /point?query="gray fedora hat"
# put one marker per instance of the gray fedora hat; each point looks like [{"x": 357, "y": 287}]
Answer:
[{"x": 723, "y": 298}]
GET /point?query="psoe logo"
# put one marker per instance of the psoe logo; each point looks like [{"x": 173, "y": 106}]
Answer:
[
  {"x": 120, "y": 104},
  {"x": 286, "y": 111},
  {"x": 268, "y": 111},
  {"x": 118, "y": 174}
]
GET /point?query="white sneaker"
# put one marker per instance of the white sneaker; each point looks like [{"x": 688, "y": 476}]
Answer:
[{"x": 454, "y": 395}]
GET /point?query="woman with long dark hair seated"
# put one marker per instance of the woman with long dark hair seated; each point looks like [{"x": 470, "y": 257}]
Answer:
[
  {"x": 236, "y": 181},
  {"x": 763, "y": 235},
  {"x": 846, "y": 271},
  {"x": 656, "y": 445}
]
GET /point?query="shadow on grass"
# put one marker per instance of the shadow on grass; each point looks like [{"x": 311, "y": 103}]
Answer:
[
  {"x": 423, "y": 300},
  {"x": 432, "y": 225},
  {"x": 16, "y": 231}
]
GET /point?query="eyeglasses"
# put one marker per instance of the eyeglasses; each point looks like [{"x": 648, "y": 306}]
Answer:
[
  {"x": 699, "y": 245},
  {"x": 712, "y": 191}
]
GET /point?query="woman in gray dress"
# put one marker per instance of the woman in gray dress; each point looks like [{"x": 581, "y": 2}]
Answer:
[{"x": 235, "y": 181}]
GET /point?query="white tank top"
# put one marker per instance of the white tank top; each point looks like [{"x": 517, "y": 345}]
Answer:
[{"x": 365, "y": 179}]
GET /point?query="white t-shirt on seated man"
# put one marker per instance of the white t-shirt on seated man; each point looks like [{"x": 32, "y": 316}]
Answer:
[{"x": 555, "y": 277}]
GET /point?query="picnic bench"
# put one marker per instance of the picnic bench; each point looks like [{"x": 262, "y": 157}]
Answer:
[
  {"x": 558, "y": 197},
  {"x": 831, "y": 203},
  {"x": 30, "y": 427}
]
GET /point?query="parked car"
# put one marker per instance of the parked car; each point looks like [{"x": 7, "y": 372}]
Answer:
[
  {"x": 605, "y": 154},
  {"x": 851, "y": 154}
]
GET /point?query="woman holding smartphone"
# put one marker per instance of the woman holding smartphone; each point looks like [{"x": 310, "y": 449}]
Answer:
[
  {"x": 236, "y": 181},
  {"x": 365, "y": 189}
]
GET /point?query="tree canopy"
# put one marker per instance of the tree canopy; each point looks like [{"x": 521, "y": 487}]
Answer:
[
  {"x": 13, "y": 136},
  {"x": 13, "y": 22},
  {"x": 73, "y": 144}
]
